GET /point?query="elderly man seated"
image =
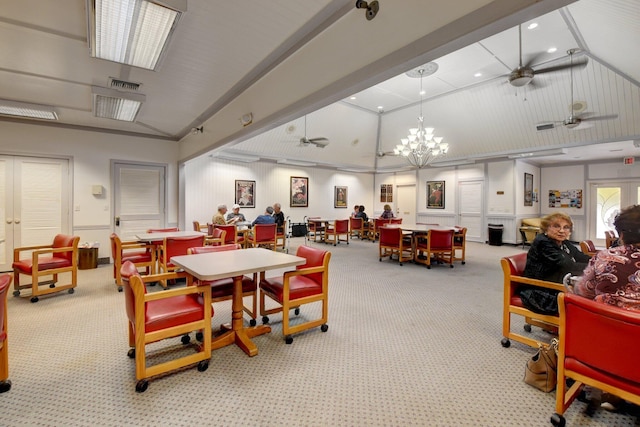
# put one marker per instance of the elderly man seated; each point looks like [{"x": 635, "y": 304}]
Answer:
[
  {"x": 265, "y": 218},
  {"x": 235, "y": 216}
]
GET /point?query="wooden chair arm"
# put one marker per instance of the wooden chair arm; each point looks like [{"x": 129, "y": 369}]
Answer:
[
  {"x": 137, "y": 245},
  {"x": 303, "y": 271},
  {"x": 538, "y": 283},
  {"x": 168, "y": 293},
  {"x": 40, "y": 250}
]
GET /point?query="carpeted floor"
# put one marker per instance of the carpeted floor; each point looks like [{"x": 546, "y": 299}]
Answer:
[{"x": 406, "y": 346}]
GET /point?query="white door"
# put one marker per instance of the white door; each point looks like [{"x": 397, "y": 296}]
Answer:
[
  {"x": 470, "y": 197},
  {"x": 605, "y": 201},
  {"x": 406, "y": 203},
  {"x": 34, "y": 203},
  {"x": 139, "y": 198}
]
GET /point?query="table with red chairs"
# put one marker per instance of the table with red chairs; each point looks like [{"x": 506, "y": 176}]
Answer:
[
  {"x": 419, "y": 229},
  {"x": 220, "y": 265},
  {"x": 317, "y": 226}
]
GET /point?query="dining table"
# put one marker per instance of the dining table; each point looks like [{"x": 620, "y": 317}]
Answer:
[
  {"x": 160, "y": 236},
  {"x": 320, "y": 224},
  {"x": 235, "y": 264}
]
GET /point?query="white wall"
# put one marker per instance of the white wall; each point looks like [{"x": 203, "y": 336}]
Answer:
[
  {"x": 211, "y": 182},
  {"x": 91, "y": 154}
]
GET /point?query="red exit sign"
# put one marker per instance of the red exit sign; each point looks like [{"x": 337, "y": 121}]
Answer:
[{"x": 629, "y": 160}]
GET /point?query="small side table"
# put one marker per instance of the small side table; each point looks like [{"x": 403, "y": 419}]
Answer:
[{"x": 87, "y": 258}]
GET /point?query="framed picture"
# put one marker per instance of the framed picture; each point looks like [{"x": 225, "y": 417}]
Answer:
[
  {"x": 299, "y": 192},
  {"x": 339, "y": 197},
  {"x": 435, "y": 194},
  {"x": 528, "y": 189},
  {"x": 246, "y": 193}
]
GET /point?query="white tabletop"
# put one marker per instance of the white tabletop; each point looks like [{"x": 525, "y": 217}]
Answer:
[
  {"x": 219, "y": 265},
  {"x": 154, "y": 237}
]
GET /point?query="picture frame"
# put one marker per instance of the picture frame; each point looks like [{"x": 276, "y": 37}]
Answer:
[
  {"x": 435, "y": 194},
  {"x": 245, "y": 193},
  {"x": 528, "y": 189},
  {"x": 299, "y": 191},
  {"x": 339, "y": 197}
]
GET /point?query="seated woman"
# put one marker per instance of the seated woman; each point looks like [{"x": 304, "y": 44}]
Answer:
[
  {"x": 387, "y": 213},
  {"x": 613, "y": 277},
  {"x": 550, "y": 258}
]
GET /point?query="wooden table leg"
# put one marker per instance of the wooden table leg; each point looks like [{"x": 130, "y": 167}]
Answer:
[{"x": 238, "y": 333}]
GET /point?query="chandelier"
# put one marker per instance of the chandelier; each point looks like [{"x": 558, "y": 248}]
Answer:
[{"x": 421, "y": 146}]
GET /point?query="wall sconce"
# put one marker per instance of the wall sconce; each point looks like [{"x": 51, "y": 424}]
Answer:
[{"x": 195, "y": 131}]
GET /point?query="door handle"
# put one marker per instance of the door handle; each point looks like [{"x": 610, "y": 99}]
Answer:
[
  {"x": 9, "y": 220},
  {"x": 17, "y": 220},
  {"x": 117, "y": 221}
]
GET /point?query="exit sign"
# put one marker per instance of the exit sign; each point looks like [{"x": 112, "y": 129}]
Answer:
[{"x": 628, "y": 160}]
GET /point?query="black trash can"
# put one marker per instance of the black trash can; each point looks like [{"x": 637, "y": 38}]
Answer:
[{"x": 495, "y": 234}]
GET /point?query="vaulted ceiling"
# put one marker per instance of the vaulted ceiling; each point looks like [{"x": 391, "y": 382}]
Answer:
[{"x": 284, "y": 59}]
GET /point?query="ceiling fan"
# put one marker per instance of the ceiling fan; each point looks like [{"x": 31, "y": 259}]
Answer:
[
  {"x": 574, "y": 120},
  {"x": 320, "y": 142},
  {"x": 523, "y": 74}
]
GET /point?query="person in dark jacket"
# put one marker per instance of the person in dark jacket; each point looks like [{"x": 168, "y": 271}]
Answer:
[{"x": 550, "y": 258}]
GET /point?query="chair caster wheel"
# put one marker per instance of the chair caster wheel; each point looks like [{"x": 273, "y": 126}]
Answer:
[
  {"x": 557, "y": 420},
  {"x": 324, "y": 328},
  {"x": 16, "y": 293},
  {"x": 288, "y": 339},
  {"x": 185, "y": 339},
  {"x": 463, "y": 262},
  {"x": 71, "y": 290},
  {"x": 296, "y": 311},
  {"x": 527, "y": 327},
  {"x": 380, "y": 259},
  {"x": 35, "y": 299},
  {"x": 451, "y": 266},
  {"x": 131, "y": 353},
  {"x": 428, "y": 267},
  {"x": 252, "y": 322},
  {"x": 142, "y": 385},
  {"x": 199, "y": 336},
  {"x": 5, "y": 386},
  {"x": 505, "y": 343},
  {"x": 119, "y": 288},
  {"x": 53, "y": 285},
  {"x": 203, "y": 365},
  {"x": 265, "y": 320}
]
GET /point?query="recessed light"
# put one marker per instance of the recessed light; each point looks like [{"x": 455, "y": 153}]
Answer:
[
  {"x": 477, "y": 75},
  {"x": 353, "y": 98},
  {"x": 532, "y": 26},
  {"x": 380, "y": 107},
  {"x": 422, "y": 92},
  {"x": 552, "y": 49}
]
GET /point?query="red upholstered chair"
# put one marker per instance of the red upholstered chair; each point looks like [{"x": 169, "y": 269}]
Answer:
[
  {"x": 339, "y": 228},
  {"x": 356, "y": 227},
  {"x": 231, "y": 236},
  {"x": 155, "y": 316},
  {"x": 199, "y": 227},
  {"x": 460, "y": 244},
  {"x": 437, "y": 246},
  {"x": 306, "y": 284},
  {"x": 587, "y": 247},
  {"x": 396, "y": 220},
  {"x": 5, "y": 384},
  {"x": 142, "y": 255},
  {"x": 374, "y": 227},
  {"x": 174, "y": 246},
  {"x": 512, "y": 268},
  {"x": 222, "y": 289},
  {"x": 599, "y": 346},
  {"x": 263, "y": 235},
  {"x": 215, "y": 236},
  {"x": 47, "y": 260},
  {"x": 393, "y": 241}
]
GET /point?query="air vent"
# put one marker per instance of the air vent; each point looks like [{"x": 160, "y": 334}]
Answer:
[
  {"x": 123, "y": 85},
  {"x": 545, "y": 126}
]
